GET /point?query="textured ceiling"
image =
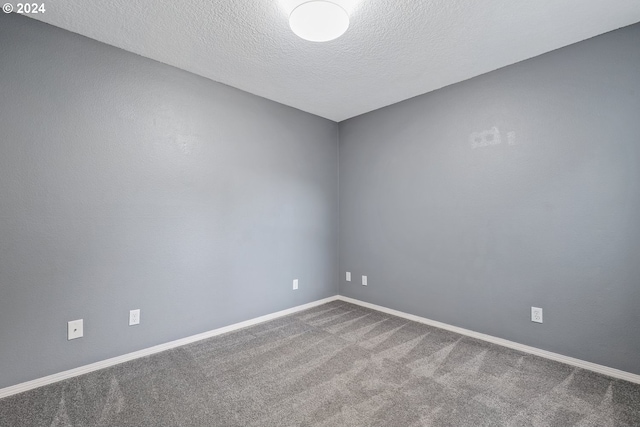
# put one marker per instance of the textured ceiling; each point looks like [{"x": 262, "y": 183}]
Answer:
[{"x": 393, "y": 50}]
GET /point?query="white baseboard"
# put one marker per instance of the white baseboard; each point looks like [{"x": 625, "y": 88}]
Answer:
[
  {"x": 50, "y": 379},
  {"x": 601, "y": 369}
]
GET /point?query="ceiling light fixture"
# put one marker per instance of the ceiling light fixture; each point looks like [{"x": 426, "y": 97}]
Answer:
[{"x": 319, "y": 21}]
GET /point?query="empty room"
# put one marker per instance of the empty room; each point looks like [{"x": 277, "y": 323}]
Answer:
[{"x": 320, "y": 213}]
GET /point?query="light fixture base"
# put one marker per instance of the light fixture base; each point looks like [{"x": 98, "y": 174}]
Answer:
[{"x": 319, "y": 21}]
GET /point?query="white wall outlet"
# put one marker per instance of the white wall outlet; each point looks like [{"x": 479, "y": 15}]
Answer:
[
  {"x": 134, "y": 317},
  {"x": 536, "y": 314},
  {"x": 364, "y": 280},
  {"x": 348, "y": 276},
  {"x": 295, "y": 284},
  {"x": 75, "y": 329}
]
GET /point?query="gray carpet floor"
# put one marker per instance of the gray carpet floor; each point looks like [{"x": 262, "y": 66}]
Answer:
[{"x": 334, "y": 365}]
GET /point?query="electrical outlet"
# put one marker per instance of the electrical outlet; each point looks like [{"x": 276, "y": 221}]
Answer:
[
  {"x": 348, "y": 276},
  {"x": 75, "y": 329},
  {"x": 295, "y": 284},
  {"x": 134, "y": 317},
  {"x": 536, "y": 314},
  {"x": 364, "y": 280}
]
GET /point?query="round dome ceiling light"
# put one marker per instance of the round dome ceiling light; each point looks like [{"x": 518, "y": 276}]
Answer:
[{"x": 319, "y": 21}]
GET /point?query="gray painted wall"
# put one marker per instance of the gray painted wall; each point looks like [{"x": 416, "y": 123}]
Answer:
[
  {"x": 126, "y": 183},
  {"x": 476, "y": 236}
]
